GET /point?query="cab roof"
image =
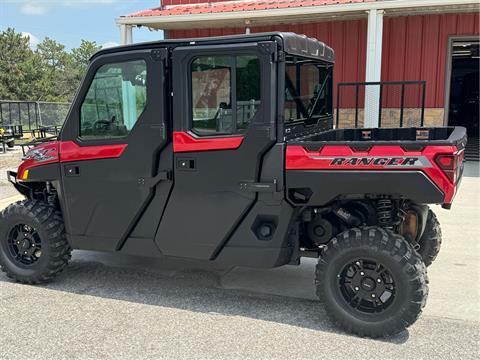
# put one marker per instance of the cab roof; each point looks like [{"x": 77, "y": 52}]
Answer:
[{"x": 293, "y": 43}]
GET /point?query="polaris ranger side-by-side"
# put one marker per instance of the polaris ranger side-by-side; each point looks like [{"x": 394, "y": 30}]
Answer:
[{"x": 222, "y": 149}]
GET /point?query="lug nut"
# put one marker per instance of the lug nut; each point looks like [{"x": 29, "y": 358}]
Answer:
[
  {"x": 362, "y": 273},
  {"x": 357, "y": 263},
  {"x": 357, "y": 288},
  {"x": 379, "y": 280},
  {"x": 373, "y": 295}
]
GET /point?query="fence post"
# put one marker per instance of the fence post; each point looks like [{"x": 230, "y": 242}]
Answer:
[
  {"x": 36, "y": 116},
  {"x": 423, "y": 103},
  {"x": 356, "y": 106},
  {"x": 402, "y": 101},
  {"x": 338, "y": 105},
  {"x": 39, "y": 116},
  {"x": 28, "y": 111},
  {"x": 380, "y": 96}
]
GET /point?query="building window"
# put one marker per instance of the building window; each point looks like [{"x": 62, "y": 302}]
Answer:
[
  {"x": 116, "y": 98},
  {"x": 225, "y": 94}
]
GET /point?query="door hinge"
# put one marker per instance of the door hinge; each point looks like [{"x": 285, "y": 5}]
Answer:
[
  {"x": 159, "y": 54},
  {"x": 161, "y": 176},
  {"x": 259, "y": 186}
]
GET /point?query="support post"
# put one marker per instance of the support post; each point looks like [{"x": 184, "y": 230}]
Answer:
[
  {"x": 374, "y": 67},
  {"x": 126, "y": 36}
]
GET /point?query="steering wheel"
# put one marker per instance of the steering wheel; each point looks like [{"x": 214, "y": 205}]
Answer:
[{"x": 104, "y": 125}]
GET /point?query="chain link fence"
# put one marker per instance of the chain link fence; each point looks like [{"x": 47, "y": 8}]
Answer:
[{"x": 33, "y": 115}]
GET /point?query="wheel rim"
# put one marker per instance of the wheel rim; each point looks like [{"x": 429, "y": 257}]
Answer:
[
  {"x": 367, "y": 286},
  {"x": 24, "y": 244}
]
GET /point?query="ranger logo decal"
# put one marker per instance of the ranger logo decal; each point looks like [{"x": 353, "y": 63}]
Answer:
[
  {"x": 377, "y": 161},
  {"x": 41, "y": 154}
]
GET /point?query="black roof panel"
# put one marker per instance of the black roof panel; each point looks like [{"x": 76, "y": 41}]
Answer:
[{"x": 294, "y": 44}]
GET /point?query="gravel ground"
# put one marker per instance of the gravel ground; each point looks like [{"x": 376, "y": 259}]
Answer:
[
  {"x": 107, "y": 306},
  {"x": 9, "y": 161}
]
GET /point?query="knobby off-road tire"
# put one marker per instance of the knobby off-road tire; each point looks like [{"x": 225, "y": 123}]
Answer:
[
  {"x": 431, "y": 239},
  {"x": 371, "y": 281},
  {"x": 33, "y": 245}
]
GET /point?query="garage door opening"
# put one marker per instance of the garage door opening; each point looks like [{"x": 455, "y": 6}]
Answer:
[{"x": 464, "y": 91}]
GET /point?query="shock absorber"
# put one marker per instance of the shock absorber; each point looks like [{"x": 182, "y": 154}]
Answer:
[{"x": 385, "y": 213}]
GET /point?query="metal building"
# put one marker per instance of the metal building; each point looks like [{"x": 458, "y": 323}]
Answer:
[{"x": 435, "y": 41}]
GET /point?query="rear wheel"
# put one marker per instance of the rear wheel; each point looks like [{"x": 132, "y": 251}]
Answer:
[
  {"x": 11, "y": 143},
  {"x": 33, "y": 246},
  {"x": 372, "y": 282},
  {"x": 431, "y": 239}
]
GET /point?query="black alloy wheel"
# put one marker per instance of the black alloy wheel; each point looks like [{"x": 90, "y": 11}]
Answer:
[
  {"x": 367, "y": 285},
  {"x": 371, "y": 281},
  {"x": 24, "y": 244},
  {"x": 33, "y": 244}
]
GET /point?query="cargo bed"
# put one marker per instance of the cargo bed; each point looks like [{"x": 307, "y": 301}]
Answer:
[{"x": 406, "y": 137}]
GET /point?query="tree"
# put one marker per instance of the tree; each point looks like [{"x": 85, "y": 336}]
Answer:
[
  {"x": 55, "y": 61},
  {"x": 79, "y": 60},
  {"x": 20, "y": 70},
  {"x": 49, "y": 73},
  {"x": 81, "y": 55}
]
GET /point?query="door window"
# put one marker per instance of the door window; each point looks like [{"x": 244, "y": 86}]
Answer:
[
  {"x": 225, "y": 93},
  {"x": 116, "y": 98}
]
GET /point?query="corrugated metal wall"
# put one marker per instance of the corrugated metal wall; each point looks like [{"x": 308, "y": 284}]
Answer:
[
  {"x": 414, "y": 47},
  {"x": 348, "y": 38}
]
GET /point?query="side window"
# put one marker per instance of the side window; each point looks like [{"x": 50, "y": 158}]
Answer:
[
  {"x": 225, "y": 93},
  {"x": 116, "y": 98}
]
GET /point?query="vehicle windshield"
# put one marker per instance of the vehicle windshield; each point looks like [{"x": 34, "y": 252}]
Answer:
[{"x": 308, "y": 90}]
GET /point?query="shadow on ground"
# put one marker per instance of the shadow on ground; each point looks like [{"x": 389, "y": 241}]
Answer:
[{"x": 194, "y": 287}]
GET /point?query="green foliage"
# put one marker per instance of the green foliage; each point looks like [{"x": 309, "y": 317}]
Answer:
[{"x": 49, "y": 73}]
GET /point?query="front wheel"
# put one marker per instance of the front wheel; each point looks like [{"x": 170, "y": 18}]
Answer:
[
  {"x": 371, "y": 281},
  {"x": 33, "y": 246}
]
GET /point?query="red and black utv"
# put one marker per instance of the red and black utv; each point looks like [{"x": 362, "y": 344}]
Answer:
[{"x": 222, "y": 149}]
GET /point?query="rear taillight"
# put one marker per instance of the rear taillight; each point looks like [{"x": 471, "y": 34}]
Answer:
[{"x": 448, "y": 163}]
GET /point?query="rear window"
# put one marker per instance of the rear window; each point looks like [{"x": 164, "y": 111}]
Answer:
[{"x": 308, "y": 90}]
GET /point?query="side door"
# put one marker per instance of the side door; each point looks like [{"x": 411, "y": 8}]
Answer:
[
  {"x": 223, "y": 118},
  {"x": 111, "y": 148}
]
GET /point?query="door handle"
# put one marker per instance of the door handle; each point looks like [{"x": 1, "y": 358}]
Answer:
[
  {"x": 186, "y": 164},
  {"x": 72, "y": 170}
]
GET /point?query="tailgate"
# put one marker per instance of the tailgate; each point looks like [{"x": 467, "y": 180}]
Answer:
[{"x": 440, "y": 160}]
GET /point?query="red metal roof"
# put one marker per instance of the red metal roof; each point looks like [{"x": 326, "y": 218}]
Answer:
[{"x": 230, "y": 6}]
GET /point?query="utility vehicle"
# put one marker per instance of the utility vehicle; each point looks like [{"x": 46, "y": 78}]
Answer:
[{"x": 222, "y": 149}]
